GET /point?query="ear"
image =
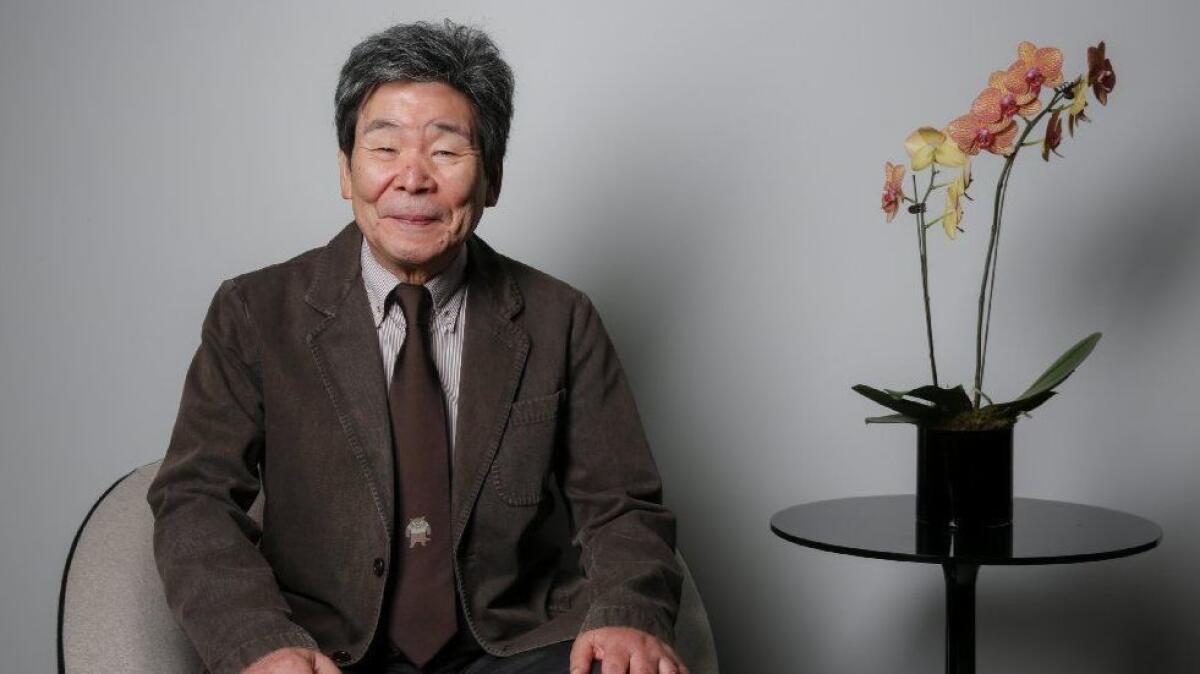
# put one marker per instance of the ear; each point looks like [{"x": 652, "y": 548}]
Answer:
[
  {"x": 344, "y": 173},
  {"x": 493, "y": 189}
]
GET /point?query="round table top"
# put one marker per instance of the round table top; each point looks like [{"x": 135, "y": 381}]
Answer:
[{"x": 1042, "y": 532}]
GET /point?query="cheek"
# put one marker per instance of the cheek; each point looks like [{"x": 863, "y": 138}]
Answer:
[
  {"x": 468, "y": 198},
  {"x": 369, "y": 182},
  {"x": 464, "y": 216}
]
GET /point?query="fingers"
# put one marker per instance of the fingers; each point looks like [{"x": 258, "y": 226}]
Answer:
[
  {"x": 671, "y": 663},
  {"x": 615, "y": 662},
  {"x": 622, "y": 662},
  {"x": 639, "y": 664},
  {"x": 671, "y": 666},
  {"x": 581, "y": 656},
  {"x": 289, "y": 660}
]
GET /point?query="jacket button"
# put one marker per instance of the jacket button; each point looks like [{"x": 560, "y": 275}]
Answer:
[
  {"x": 341, "y": 657},
  {"x": 378, "y": 566}
]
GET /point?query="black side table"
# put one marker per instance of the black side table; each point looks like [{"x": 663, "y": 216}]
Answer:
[{"x": 1042, "y": 532}]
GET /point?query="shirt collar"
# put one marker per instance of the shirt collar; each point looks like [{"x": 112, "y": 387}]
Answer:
[{"x": 444, "y": 287}]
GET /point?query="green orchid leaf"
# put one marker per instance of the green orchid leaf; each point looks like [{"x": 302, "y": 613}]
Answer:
[
  {"x": 1062, "y": 368},
  {"x": 1021, "y": 405},
  {"x": 905, "y": 407},
  {"x": 893, "y": 419},
  {"x": 952, "y": 400}
]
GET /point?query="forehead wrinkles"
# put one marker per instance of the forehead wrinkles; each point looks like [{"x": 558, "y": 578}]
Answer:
[{"x": 417, "y": 106}]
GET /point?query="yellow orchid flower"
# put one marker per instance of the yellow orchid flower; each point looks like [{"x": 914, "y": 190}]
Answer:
[
  {"x": 953, "y": 213},
  {"x": 1079, "y": 92},
  {"x": 927, "y": 146},
  {"x": 954, "y": 192},
  {"x": 1075, "y": 113}
]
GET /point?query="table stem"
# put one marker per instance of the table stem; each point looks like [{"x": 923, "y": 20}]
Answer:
[{"x": 960, "y": 617}]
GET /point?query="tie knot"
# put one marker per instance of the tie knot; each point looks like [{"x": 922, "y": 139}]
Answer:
[{"x": 415, "y": 301}]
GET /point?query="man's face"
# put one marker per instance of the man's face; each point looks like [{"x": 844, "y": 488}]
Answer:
[{"x": 415, "y": 179}]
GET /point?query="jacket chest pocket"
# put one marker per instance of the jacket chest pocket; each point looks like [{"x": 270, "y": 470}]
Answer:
[{"x": 522, "y": 467}]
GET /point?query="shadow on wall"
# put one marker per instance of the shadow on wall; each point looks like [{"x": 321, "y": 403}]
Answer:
[{"x": 1108, "y": 617}]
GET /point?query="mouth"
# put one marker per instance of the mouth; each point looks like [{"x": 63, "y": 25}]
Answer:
[{"x": 411, "y": 219}]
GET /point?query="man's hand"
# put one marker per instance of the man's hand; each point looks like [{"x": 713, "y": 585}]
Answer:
[
  {"x": 293, "y": 661},
  {"x": 624, "y": 650}
]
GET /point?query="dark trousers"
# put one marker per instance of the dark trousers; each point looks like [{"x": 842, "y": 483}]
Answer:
[{"x": 463, "y": 656}]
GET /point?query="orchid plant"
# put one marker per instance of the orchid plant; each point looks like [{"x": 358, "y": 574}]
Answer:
[{"x": 999, "y": 122}]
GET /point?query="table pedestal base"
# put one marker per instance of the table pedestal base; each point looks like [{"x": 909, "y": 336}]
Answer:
[{"x": 960, "y": 617}]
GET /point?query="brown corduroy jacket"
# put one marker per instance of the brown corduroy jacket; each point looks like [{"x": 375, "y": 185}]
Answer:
[{"x": 558, "y": 519}]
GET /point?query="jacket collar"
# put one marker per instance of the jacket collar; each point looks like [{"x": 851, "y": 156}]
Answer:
[
  {"x": 339, "y": 269},
  {"x": 345, "y": 348}
]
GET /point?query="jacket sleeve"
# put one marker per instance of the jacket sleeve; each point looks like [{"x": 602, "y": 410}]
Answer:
[
  {"x": 612, "y": 486},
  {"x": 219, "y": 587}
]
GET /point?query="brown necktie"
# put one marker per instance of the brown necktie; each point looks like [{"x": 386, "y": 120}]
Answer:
[{"x": 423, "y": 616}]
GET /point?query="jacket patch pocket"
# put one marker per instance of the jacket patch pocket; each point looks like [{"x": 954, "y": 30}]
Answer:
[{"x": 522, "y": 467}]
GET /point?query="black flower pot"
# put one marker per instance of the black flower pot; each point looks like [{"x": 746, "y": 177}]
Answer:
[{"x": 964, "y": 478}]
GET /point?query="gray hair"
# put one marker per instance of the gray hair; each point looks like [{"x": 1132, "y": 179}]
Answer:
[{"x": 463, "y": 57}]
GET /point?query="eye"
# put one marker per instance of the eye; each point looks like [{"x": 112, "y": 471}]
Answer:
[
  {"x": 443, "y": 153},
  {"x": 385, "y": 150}
]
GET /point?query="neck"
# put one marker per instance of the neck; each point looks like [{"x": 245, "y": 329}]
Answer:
[{"x": 416, "y": 274}]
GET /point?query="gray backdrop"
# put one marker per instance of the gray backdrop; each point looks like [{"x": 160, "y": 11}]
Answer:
[{"x": 710, "y": 174}]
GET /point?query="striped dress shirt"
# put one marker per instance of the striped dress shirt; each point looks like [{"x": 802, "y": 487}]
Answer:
[{"x": 449, "y": 291}]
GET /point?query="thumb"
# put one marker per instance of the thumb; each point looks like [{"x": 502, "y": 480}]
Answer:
[
  {"x": 581, "y": 655},
  {"x": 323, "y": 665}
]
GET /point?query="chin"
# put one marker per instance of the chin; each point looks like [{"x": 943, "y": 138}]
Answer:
[
  {"x": 411, "y": 258},
  {"x": 411, "y": 246},
  {"x": 415, "y": 256}
]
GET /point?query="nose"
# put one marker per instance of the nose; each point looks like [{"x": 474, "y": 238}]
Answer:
[{"x": 414, "y": 177}]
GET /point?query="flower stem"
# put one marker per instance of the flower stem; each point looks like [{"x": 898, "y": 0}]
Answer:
[
  {"x": 929, "y": 188},
  {"x": 986, "y": 291},
  {"x": 1001, "y": 195},
  {"x": 922, "y": 248}
]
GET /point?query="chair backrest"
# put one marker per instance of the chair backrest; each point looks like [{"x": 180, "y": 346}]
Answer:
[{"x": 113, "y": 615}]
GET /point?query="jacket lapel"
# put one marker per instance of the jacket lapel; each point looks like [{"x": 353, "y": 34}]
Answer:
[
  {"x": 494, "y": 353},
  {"x": 345, "y": 346}
]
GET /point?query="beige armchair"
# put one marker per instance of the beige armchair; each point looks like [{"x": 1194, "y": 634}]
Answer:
[{"x": 113, "y": 616}]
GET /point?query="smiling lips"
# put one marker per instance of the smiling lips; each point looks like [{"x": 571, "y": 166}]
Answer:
[{"x": 412, "y": 218}]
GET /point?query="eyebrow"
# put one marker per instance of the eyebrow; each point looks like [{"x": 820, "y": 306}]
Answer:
[
  {"x": 448, "y": 127},
  {"x": 377, "y": 124},
  {"x": 452, "y": 128}
]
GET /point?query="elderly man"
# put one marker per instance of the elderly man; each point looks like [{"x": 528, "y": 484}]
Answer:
[{"x": 454, "y": 474}]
